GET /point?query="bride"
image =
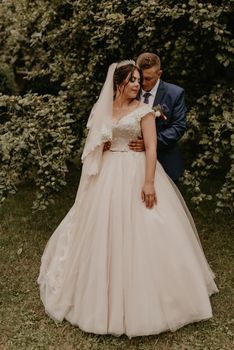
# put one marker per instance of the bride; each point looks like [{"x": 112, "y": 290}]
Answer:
[{"x": 126, "y": 259}]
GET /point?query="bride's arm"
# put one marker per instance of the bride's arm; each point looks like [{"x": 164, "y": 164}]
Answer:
[{"x": 150, "y": 140}]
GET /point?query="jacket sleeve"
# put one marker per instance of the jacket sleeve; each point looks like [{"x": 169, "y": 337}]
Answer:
[{"x": 177, "y": 125}]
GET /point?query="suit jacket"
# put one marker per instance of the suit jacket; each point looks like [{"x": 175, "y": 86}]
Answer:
[{"x": 169, "y": 131}]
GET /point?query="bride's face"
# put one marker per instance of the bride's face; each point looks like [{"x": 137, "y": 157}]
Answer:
[{"x": 131, "y": 86}]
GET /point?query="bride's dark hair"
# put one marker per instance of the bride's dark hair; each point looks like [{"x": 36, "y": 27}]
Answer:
[{"x": 121, "y": 74}]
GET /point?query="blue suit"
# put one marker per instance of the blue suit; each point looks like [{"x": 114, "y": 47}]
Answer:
[{"x": 169, "y": 131}]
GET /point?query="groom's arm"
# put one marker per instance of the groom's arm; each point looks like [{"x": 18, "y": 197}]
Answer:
[{"x": 177, "y": 126}]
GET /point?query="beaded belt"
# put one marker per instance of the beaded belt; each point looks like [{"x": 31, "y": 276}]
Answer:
[{"x": 112, "y": 150}]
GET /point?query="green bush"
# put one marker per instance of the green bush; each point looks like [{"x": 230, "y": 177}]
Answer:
[
  {"x": 7, "y": 80},
  {"x": 67, "y": 45},
  {"x": 35, "y": 144},
  {"x": 211, "y": 127}
]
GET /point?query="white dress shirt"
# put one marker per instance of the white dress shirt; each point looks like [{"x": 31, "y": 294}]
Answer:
[{"x": 153, "y": 93}]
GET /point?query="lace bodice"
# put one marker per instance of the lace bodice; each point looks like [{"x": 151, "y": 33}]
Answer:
[{"x": 127, "y": 128}]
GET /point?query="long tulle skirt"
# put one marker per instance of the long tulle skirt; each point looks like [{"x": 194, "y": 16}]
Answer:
[{"x": 114, "y": 266}]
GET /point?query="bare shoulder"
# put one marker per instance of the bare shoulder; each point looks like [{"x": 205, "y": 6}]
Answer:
[
  {"x": 148, "y": 118},
  {"x": 148, "y": 115}
]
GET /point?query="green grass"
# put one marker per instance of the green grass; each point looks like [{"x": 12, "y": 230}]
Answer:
[{"x": 23, "y": 322}]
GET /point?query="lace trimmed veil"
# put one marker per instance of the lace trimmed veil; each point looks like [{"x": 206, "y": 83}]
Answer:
[
  {"x": 99, "y": 126},
  {"x": 99, "y": 123}
]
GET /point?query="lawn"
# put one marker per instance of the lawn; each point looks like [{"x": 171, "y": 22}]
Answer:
[{"x": 23, "y": 322}]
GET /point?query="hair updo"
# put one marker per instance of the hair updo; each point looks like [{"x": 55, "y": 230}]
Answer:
[{"x": 123, "y": 72}]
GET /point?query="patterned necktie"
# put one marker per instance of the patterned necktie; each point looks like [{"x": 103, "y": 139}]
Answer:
[{"x": 146, "y": 97}]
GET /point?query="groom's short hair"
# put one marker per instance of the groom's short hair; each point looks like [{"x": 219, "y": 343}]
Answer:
[{"x": 148, "y": 60}]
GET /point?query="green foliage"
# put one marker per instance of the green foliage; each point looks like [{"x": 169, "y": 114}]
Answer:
[
  {"x": 66, "y": 46},
  {"x": 7, "y": 80},
  {"x": 216, "y": 146},
  {"x": 35, "y": 144}
]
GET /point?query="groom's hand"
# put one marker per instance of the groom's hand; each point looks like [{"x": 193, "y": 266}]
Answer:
[
  {"x": 137, "y": 145},
  {"x": 107, "y": 146}
]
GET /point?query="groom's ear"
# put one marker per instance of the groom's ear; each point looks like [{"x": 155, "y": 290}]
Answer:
[{"x": 160, "y": 72}]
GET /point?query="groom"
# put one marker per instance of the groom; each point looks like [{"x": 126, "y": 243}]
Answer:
[{"x": 171, "y": 124}]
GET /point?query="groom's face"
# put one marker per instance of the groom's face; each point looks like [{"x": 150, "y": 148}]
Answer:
[{"x": 150, "y": 77}]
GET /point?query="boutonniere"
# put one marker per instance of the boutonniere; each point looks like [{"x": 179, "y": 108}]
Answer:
[{"x": 160, "y": 111}]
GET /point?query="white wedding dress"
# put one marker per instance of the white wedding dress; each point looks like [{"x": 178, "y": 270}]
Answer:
[{"x": 114, "y": 266}]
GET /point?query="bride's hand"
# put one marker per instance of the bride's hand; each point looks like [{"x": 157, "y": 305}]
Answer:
[{"x": 148, "y": 195}]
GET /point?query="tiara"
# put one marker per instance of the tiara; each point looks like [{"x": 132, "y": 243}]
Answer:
[{"x": 125, "y": 63}]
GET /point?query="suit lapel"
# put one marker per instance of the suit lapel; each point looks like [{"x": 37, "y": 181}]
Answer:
[
  {"x": 160, "y": 93},
  {"x": 158, "y": 100}
]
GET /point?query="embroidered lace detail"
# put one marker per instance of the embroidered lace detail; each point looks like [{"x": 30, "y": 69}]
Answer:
[
  {"x": 54, "y": 276},
  {"x": 128, "y": 128}
]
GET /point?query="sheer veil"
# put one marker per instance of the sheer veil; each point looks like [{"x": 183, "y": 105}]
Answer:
[{"x": 99, "y": 126}]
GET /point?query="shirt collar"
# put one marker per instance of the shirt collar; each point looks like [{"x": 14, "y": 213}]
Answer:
[{"x": 153, "y": 91}]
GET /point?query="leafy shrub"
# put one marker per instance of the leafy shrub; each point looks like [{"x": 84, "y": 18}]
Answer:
[
  {"x": 35, "y": 144},
  {"x": 67, "y": 45},
  {"x": 7, "y": 80},
  {"x": 211, "y": 127}
]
